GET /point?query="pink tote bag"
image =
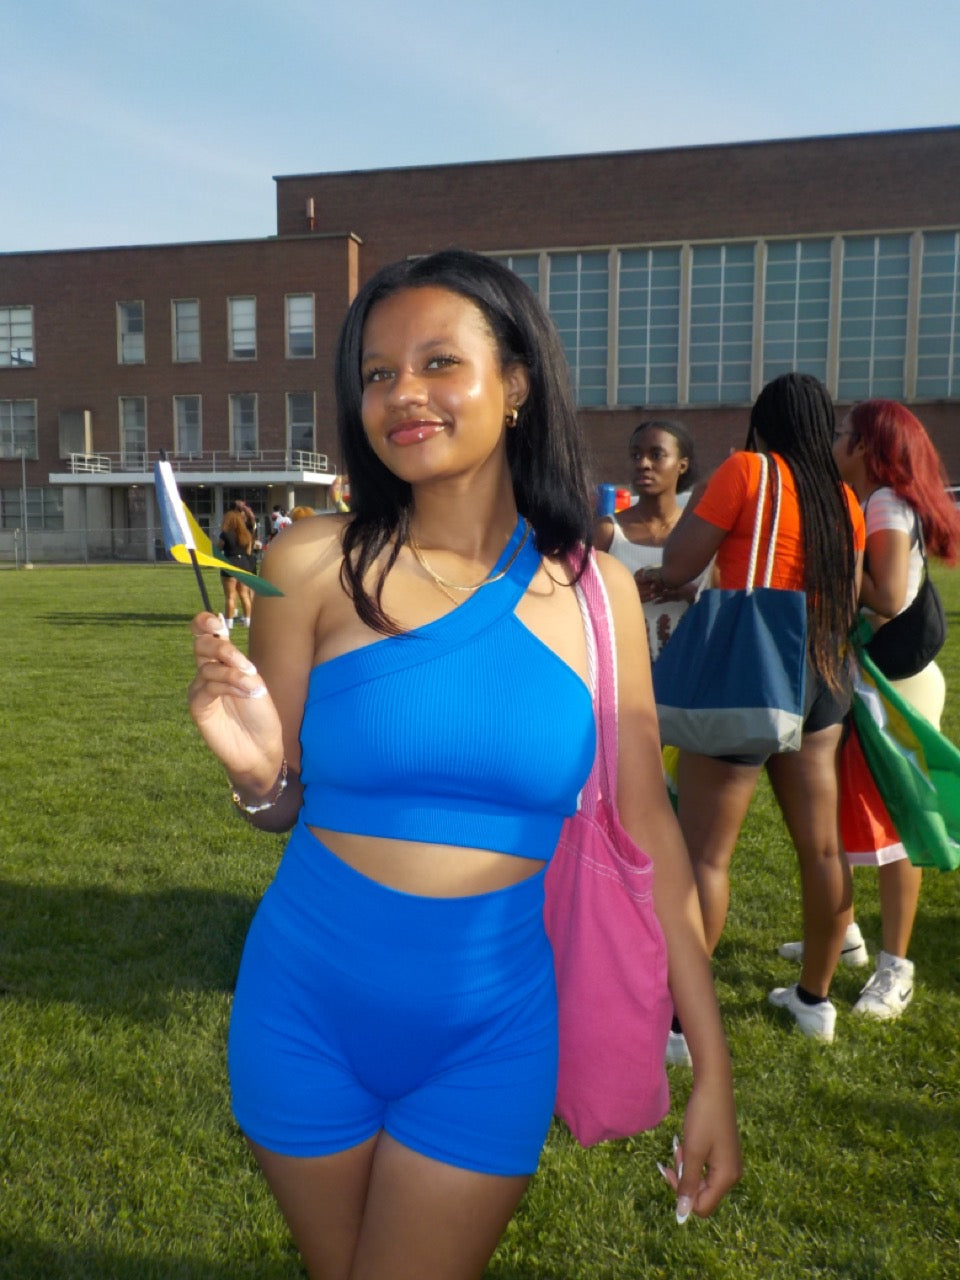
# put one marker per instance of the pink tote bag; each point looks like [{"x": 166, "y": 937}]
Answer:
[{"x": 609, "y": 952}]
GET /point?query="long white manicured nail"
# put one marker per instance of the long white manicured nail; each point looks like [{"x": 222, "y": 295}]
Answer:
[{"x": 684, "y": 1205}]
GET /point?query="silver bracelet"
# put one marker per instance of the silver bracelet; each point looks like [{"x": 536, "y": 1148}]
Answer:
[{"x": 267, "y": 804}]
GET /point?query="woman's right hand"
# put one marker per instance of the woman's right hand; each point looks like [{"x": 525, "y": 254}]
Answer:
[{"x": 232, "y": 709}]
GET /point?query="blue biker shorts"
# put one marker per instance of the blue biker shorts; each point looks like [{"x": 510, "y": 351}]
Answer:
[{"x": 360, "y": 1008}]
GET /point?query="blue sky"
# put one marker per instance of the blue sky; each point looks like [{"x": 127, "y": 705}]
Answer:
[{"x": 149, "y": 121}]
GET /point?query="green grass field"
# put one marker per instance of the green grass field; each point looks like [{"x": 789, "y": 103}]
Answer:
[{"x": 126, "y": 885}]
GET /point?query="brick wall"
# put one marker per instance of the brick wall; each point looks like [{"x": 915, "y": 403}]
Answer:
[{"x": 74, "y": 296}]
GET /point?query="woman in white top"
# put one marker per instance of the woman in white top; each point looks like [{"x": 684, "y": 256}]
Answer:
[
  {"x": 663, "y": 467},
  {"x": 886, "y": 456}
]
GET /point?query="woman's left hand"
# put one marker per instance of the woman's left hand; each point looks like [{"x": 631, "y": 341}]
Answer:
[
  {"x": 652, "y": 589},
  {"x": 707, "y": 1161}
]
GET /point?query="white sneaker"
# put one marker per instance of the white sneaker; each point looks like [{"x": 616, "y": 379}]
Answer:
[
  {"x": 816, "y": 1020},
  {"x": 853, "y": 952},
  {"x": 888, "y": 990},
  {"x": 677, "y": 1055}
]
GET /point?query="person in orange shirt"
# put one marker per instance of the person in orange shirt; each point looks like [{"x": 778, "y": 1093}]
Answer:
[{"x": 819, "y": 550}]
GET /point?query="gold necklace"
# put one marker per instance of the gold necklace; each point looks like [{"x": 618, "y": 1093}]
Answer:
[{"x": 447, "y": 587}]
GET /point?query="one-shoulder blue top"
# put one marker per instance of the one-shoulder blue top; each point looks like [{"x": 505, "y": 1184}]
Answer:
[{"x": 466, "y": 731}]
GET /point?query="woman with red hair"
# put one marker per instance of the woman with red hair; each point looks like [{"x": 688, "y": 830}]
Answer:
[{"x": 887, "y": 458}]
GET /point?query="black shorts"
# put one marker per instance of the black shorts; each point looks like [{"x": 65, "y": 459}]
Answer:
[{"x": 823, "y": 707}]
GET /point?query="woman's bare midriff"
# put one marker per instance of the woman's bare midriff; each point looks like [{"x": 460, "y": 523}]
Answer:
[{"x": 428, "y": 870}]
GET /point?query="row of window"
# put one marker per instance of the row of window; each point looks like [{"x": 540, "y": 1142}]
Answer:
[
  {"x": 681, "y": 324},
  {"x": 43, "y": 509},
  {"x": 18, "y": 348},
  {"x": 712, "y": 323},
  {"x": 19, "y": 432}
]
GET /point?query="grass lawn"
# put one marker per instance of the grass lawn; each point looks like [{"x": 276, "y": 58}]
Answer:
[{"x": 126, "y": 885}]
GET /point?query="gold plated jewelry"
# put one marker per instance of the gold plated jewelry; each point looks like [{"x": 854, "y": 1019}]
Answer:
[
  {"x": 446, "y": 586},
  {"x": 513, "y": 416}
]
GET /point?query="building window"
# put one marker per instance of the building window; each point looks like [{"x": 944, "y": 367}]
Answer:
[
  {"x": 874, "y": 292},
  {"x": 300, "y": 421},
  {"x": 242, "y": 315},
  {"x": 648, "y": 327},
  {"x": 44, "y": 508},
  {"x": 721, "y": 323},
  {"x": 579, "y": 294},
  {"x": 18, "y": 428},
  {"x": 796, "y": 308},
  {"x": 938, "y": 328},
  {"x": 524, "y": 265},
  {"x": 186, "y": 330},
  {"x": 299, "y": 318},
  {"x": 243, "y": 425},
  {"x": 187, "y": 425},
  {"x": 133, "y": 433},
  {"x": 16, "y": 337},
  {"x": 130, "y": 339}
]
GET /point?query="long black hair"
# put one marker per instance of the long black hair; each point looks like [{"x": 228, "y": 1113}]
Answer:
[
  {"x": 793, "y": 416},
  {"x": 544, "y": 450}
]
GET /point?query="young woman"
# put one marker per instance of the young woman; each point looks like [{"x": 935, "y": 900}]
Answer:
[
  {"x": 819, "y": 550},
  {"x": 887, "y": 458},
  {"x": 393, "y": 1043},
  {"x": 663, "y": 466},
  {"x": 236, "y": 543}
]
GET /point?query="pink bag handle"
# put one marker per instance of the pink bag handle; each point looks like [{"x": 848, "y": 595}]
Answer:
[{"x": 602, "y": 662}]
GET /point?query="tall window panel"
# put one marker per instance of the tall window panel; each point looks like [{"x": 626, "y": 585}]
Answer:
[
  {"x": 300, "y": 326},
  {"x": 938, "y": 329},
  {"x": 578, "y": 299},
  {"x": 188, "y": 424},
  {"x": 721, "y": 323},
  {"x": 244, "y": 431},
  {"x": 524, "y": 265},
  {"x": 16, "y": 337},
  {"x": 186, "y": 330},
  {"x": 874, "y": 291},
  {"x": 648, "y": 319},
  {"x": 133, "y": 433},
  {"x": 131, "y": 346},
  {"x": 18, "y": 428},
  {"x": 301, "y": 421},
  {"x": 796, "y": 308},
  {"x": 242, "y": 318}
]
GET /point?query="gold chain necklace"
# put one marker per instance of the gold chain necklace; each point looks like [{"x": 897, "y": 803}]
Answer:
[{"x": 447, "y": 587}]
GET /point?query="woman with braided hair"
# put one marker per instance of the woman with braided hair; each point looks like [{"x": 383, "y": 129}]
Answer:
[{"x": 820, "y": 551}]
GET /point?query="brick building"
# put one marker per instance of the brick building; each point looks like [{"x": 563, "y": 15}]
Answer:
[{"x": 681, "y": 280}]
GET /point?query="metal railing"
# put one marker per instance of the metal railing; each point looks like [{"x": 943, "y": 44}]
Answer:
[{"x": 293, "y": 460}]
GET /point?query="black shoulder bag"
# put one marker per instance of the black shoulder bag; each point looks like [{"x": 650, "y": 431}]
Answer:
[{"x": 907, "y": 643}]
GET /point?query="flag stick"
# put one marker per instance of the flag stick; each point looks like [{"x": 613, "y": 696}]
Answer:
[{"x": 200, "y": 582}]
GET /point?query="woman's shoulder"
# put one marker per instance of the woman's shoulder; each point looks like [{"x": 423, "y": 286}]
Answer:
[
  {"x": 886, "y": 509},
  {"x": 308, "y": 552}
]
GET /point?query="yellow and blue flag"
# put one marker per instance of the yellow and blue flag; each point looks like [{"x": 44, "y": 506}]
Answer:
[{"x": 186, "y": 542}]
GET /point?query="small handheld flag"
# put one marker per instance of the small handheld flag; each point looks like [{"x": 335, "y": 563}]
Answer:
[{"x": 188, "y": 544}]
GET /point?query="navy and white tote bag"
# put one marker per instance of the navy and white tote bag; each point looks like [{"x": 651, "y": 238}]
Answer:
[{"x": 731, "y": 681}]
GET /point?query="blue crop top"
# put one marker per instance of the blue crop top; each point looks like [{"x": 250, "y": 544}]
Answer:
[{"x": 467, "y": 731}]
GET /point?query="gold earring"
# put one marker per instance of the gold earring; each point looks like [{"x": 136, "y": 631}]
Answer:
[{"x": 513, "y": 417}]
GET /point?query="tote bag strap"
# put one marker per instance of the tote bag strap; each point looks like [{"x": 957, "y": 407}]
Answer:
[
  {"x": 758, "y": 523},
  {"x": 774, "y": 521},
  {"x": 602, "y": 666}
]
